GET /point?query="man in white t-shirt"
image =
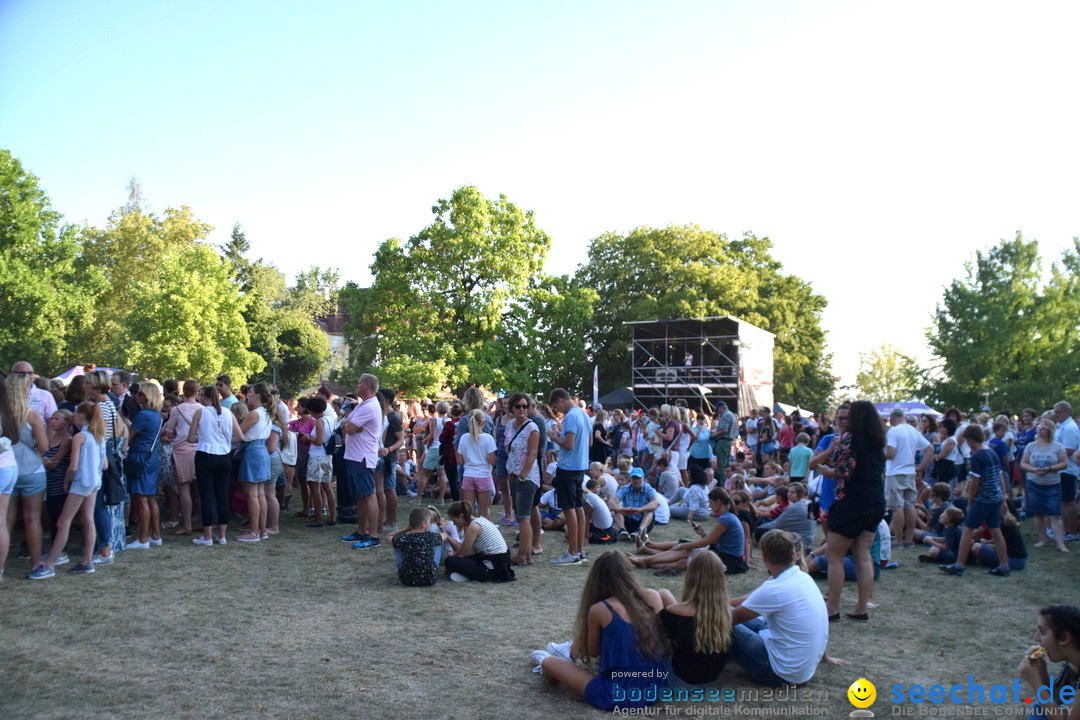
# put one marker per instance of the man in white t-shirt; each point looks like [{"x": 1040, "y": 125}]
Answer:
[
  {"x": 781, "y": 629},
  {"x": 1068, "y": 434},
  {"x": 751, "y": 432},
  {"x": 41, "y": 401},
  {"x": 902, "y": 442}
]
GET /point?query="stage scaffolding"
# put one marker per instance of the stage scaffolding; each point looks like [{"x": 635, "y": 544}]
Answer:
[{"x": 701, "y": 361}]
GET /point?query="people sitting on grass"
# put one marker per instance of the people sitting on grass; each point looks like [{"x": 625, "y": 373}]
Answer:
[
  {"x": 417, "y": 550},
  {"x": 694, "y": 503},
  {"x": 795, "y": 517},
  {"x": 725, "y": 538},
  {"x": 940, "y": 501},
  {"x": 482, "y": 554},
  {"x": 617, "y": 622},
  {"x": 699, "y": 626},
  {"x": 782, "y": 627},
  {"x": 945, "y": 547},
  {"x": 984, "y": 552},
  {"x": 637, "y": 501},
  {"x": 598, "y": 515}
]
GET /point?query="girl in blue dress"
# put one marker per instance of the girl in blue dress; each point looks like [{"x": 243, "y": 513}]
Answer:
[{"x": 618, "y": 623}]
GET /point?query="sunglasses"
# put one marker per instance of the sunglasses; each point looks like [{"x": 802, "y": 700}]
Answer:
[{"x": 521, "y": 406}]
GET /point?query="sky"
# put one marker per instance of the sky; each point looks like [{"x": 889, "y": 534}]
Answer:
[{"x": 878, "y": 145}]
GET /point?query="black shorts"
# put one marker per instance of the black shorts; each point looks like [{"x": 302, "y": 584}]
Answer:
[
  {"x": 851, "y": 517},
  {"x": 567, "y": 484}
]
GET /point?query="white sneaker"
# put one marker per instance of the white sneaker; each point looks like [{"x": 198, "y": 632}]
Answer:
[
  {"x": 560, "y": 649},
  {"x": 202, "y": 541},
  {"x": 221, "y": 541},
  {"x": 138, "y": 545},
  {"x": 538, "y": 657},
  {"x": 458, "y": 577},
  {"x": 567, "y": 559},
  {"x": 154, "y": 542}
]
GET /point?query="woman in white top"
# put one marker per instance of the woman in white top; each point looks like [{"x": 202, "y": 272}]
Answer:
[
  {"x": 482, "y": 554},
  {"x": 181, "y": 418},
  {"x": 9, "y": 469},
  {"x": 523, "y": 447},
  {"x": 476, "y": 453},
  {"x": 255, "y": 460},
  {"x": 212, "y": 431},
  {"x": 32, "y": 443}
]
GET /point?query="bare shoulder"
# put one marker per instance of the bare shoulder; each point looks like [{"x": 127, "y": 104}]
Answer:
[{"x": 682, "y": 608}]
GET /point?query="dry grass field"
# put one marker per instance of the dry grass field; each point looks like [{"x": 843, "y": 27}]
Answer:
[{"x": 304, "y": 626}]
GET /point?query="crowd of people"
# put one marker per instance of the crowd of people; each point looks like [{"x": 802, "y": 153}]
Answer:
[{"x": 125, "y": 461}]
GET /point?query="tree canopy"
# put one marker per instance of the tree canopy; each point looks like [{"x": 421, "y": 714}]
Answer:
[
  {"x": 887, "y": 375},
  {"x": 1003, "y": 330}
]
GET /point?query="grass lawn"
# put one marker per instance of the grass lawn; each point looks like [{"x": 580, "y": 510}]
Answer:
[{"x": 303, "y": 626}]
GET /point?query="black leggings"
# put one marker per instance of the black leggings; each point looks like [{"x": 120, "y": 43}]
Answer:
[
  {"x": 473, "y": 567},
  {"x": 212, "y": 473}
]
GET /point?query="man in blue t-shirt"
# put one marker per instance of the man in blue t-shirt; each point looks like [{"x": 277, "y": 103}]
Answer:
[
  {"x": 986, "y": 494},
  {"x": 572, "y": 438}
]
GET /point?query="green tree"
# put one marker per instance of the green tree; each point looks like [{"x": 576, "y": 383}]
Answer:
[
  {"x": 887, "y": 375},
  {"x": 684, "y": 272},
  {"x": 1003, "y": 330},
  {"x": 438, "y": 302},
  {"x": 180, "y": 328},
  {"x": 45, "y": 293}
]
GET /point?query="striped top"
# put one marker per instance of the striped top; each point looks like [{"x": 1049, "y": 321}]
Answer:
[{"x": 490, "y": 541}]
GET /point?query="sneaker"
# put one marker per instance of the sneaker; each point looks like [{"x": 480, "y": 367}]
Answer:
[
  {"x": 355, "y": 537},
  {"x": 953, "y": 569},
  {"x": 891, "y": 565},
  {"x": 221, "y": 541},
  {"x": 623, "y": 535},
  {"x": 248, "y": 538},
  {"x": 1000, "y": 572},
  {"x": 560, "y": 649},
  {"x": 82, "y": 568},
  {"x": 510, "y": 522},
  {"x": 389, "y": 528},
  {"x": 99, "y": 560},
  {"x": 567, "y": 559},
  {"x": 1072, "y": 537},
  {"x": 202, "y": 541},
  {"x": 138, "y": 545},
  {"x": 365, "y": 544},
  {"x": 62, "y": 560},
  {"x": 458, "y": 577},
  {"x": 1050, "y": 533},
  {"x": 538, "y": 657},
  {"x": 581, "y": 556},
  {"x": 154, "y": 542},
  {"x": 41, "y": 572}
]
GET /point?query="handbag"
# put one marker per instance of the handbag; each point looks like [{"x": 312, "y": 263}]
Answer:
[{"x": 113, "y": 482}]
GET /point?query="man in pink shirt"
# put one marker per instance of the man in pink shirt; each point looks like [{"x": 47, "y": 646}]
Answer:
[
  {"x": 361, "y": 430},
  {"x": 41, "y": 401}
]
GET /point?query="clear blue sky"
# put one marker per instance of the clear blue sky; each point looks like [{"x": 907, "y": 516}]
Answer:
[{"x": 877, "y": 144}]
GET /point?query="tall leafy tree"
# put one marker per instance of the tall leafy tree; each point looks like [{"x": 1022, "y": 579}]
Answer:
[
  {"x": 45, "y": 293},
  {"x": 887, "y": 375},
  {"x": 438, "y": 302},
  {"x": 684, "y": 272},
  {"x": 1001, "y": 330}
]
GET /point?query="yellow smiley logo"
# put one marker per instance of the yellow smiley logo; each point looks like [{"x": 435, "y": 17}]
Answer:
[{"x": 862, "y": 693}]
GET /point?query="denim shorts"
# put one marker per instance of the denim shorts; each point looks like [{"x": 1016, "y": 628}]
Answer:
[
  {"x": 30, "y": 485},
  {"x": 389, "y": 472},
  {"x": 8, "y": 476}
]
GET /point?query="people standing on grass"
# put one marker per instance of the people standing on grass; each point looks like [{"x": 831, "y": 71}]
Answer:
[
  {"x": 9, "y": 469},
  {"x": 31, "y": 445},
  {"x": 183, "y": 452},
  {"x": 572, "y": 441},
  {"x": 393, "y": 440},
  {"x": 141, "y": 464},
  {"x": 212, "y": 431},
  {"x": 83, "y": 481},
  {"x": 476, "y": 455},
  {"x": 856, "y": 461},
  {"x": 362, "y": 430},
  {"x": 254, "y": 461},
  {"x": 523, "y": 441}
]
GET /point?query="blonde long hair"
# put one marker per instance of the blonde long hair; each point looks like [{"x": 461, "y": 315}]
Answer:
[
  {"x": 18, "y": 387},
  {"x": 476, "y": 424},
  {"x": 95, "y": 420},
  {"x": 706, "y": 590}
]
